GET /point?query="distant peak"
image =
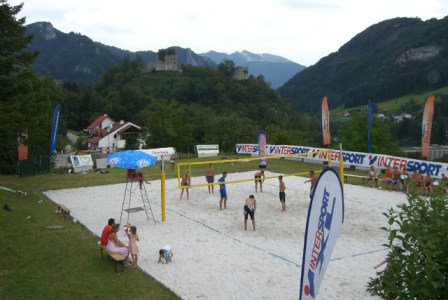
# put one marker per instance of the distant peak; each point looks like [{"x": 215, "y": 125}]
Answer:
[{"x": 46, "y": 28}]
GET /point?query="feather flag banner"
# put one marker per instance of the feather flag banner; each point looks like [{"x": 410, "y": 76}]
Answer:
[
  {"x": 427, "y": 125},
  {"x": 324, "y": 222},
  {"x": 325, "y": 122}
]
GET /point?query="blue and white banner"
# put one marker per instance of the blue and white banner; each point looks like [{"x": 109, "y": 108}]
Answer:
[
  {"x": 350, "y": 158},
  {"x": 324, "y": 222},
  {"x": 262, "y": 149},
  {"x": 54, "y": 129}
]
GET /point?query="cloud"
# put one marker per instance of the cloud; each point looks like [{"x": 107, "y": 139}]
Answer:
[
  {"x": 300, "y": 30},
  {"x": 310, "y": 4}
]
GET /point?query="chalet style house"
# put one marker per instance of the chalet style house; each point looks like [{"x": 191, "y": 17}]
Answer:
[{"x": 108, "y": 136}]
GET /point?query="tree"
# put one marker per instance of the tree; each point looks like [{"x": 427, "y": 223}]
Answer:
[
  {"x": 26, "y": 102},
  {"x": 132, "y": 142},
  {"x": 438, "y": 135},
  {"x": 12, "y": 41},
  {"x": 227, "y": 67},
  {"x": 353, "y": 136},
  {"x": 159, "y": 118},
  {"x": 417, "y": 265},
  {"x": 276, "y": 135}
]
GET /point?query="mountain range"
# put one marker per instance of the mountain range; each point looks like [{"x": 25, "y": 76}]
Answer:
[
  {"x": 390, "y": 59},
  {"x": 393, "y": 58},
  {"x": 75, "y": 57},
  {"x": 276, "y": 69}
]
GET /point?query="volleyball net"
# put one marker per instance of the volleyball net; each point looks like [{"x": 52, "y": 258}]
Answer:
[{"x": 244, "y": 169}]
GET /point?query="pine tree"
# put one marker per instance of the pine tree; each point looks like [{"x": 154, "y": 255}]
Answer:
[{"x": 26, "y": 102}]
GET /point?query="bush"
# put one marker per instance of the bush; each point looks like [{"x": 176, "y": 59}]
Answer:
[
  {"x": 8, "y": 167},
  {"x": 417, "y": 262}
]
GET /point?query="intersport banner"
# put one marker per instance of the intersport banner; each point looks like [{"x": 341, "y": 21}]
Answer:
[
  {"x": 324, "y": 222},
  {"x": 358, "y": 159}
]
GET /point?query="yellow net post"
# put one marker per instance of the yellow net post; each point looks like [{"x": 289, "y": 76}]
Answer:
[{"x": 341, "y": 166}]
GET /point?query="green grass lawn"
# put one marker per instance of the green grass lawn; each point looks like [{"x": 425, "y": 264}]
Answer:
[
  {"x": 394, "y": 105},
  {"x": 40, "y": 263},
  {"x": 390, "y": 106}
]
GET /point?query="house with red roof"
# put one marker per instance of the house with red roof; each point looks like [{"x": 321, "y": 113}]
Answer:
[{"x": 107, "y": 135}]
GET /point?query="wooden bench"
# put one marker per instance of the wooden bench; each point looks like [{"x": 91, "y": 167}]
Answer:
[
  {"x": 117, "y": 259},
  {"x": 364, "y": 179},
  {"x": 102, "y": 249},
  {"x": 64, "y": 211}
]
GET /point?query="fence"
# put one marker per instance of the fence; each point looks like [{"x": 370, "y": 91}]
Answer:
[{"x": 34, "y": 166}]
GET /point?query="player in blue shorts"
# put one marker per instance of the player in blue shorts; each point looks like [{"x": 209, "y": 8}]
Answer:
[
  {"x": 210, "y": 177},
  {"x": 222, "y": 191}
]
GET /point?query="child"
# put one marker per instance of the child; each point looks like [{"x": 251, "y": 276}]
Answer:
[
  {"x": 165, "y": 254},
  {"x": 133, "y": 248}
]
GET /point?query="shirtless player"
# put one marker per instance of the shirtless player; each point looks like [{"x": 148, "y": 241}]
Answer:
[{"x": 210, "y": 177}]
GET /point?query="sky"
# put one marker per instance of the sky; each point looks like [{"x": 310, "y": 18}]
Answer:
[{"x": 303, "y": 31}]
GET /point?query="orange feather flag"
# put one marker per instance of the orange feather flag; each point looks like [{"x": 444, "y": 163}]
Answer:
[{"x": 427, "y": 125}]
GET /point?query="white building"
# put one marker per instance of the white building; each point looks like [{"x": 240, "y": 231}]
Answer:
[{"x": 106, "y": 135}]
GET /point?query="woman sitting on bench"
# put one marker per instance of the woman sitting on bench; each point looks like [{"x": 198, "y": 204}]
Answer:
[{"x": 114, "y": 245}]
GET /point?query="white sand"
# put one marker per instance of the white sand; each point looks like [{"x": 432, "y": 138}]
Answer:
[{"x": 214, "y": 258}]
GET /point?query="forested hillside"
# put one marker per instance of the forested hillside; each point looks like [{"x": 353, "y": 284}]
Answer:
[
  {"x": 72, "y": 56},
  {"x": 75, "y": 57},
  {"x": 392, "y": 58},
  {"x": 197, "y": 105}
]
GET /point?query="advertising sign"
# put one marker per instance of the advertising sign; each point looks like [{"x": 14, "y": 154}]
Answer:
[
  {"x": 159, "y": 152},
  {"x": 262, "y": 163},
  {"x": 207, "y": 150},
  {"x": 427, "y": 125},
  {"x": 54, "y": 129},
  {"x": 81, "y": 163},
  {"x": 325, "y": 122},
  {"x": 350, "y": 158},
  {"x": 324, "y": 222}
]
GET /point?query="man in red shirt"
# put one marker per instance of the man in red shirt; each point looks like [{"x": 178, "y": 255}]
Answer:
[
  {"x": 106, "y": 232},
  {"x": 388, "y": 178}
]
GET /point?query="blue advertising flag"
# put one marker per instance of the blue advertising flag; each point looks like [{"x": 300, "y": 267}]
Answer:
[
  {"x": 54, "y": 129},
  {"x": 323, "y": 224},
  {"x": 369, "y": 121},
  {"x": 262, "y": 163}
]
